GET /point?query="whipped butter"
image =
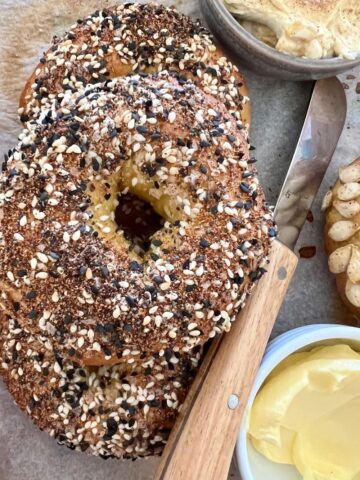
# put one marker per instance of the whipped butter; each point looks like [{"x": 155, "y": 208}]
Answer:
[
  {"x": 304, "y": 28},
  {"x": 308, "y": 414}
]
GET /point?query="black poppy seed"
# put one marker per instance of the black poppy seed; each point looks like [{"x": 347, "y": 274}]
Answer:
[
  {"x": 107, "y": 196},
  {"x": 190, "y": 288},
  {"x": 112, "y": 426},
  {"x": 260, "y": 272},
  {"x": 168, "y": 354},
  {"x": 31, "y": 295},
  {"x": 253, "y": 276},
  {"x": 243, "y": 247},
  {"x": 156, "y": 242},
  {"x": 248, "y": 205},
  {"x": 239, "y": 205},
  {"x": 72, "y": 352},
  {"x": 32, "y": 315},
  {"x": 43, "y": 196},
  {"x": 24, "y": 118},
  {"x": 157, "y": 279},
  {"x": 68, "y": 319},
  {"x": 54, "y": 255},
  {"x": 244, "y": 187},
  {"x": 104, "y": 271},
  {"x": 231, "y": 138},
  {"x": 82, "y": 271},
  {"x": 128, "y": 327},
  {"x": 147, "y": 371},
  {"x": 21, "y": 273},
  {"x": 131, "y": 301},
  {"x": 204, "y": 243},
  {"x": 142, "y": 129},
  {"x": 99, "y": 329},
  {"x": 95, "y": 165},
  {"x": 215, "y": 133},
  {"x": 16, "y": 306},
  {"x": 154, "y": 257},
  {"x": 107, "y": 351},
  {"x": 212, "y": 71},
  {"x": 180, "y": 142},
  {"x": 203, "y": 169},
  {"x": 272, "y": 232},
  {"x": 117, "y": 342},
  {"x": 135, "y": 266},
  {"x": 74, "y": 192},
  {"x": 108, "y": 328},
  {"x": 116, "y": 284},
  {"x": 13, "y": 173},
  {"x": 94, "y": 289},
  {"x": 247, "y": 174},
  {"x": 114, "y": 133},
  {"x": 204, "y": 144}
]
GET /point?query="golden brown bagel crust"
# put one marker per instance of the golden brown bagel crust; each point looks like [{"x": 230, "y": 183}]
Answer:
[
  {"x": 121, "y": 411},
  {"x": 125, "y": 39},
  {"x": 342, "y": 234},
  {"x": 66, "y": 268}
]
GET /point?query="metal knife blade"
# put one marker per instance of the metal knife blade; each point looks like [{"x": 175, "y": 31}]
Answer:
[{"x": 322, "y": 128}]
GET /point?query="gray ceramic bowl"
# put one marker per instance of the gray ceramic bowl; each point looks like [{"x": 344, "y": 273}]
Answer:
[{"x": 260, "y": 57}]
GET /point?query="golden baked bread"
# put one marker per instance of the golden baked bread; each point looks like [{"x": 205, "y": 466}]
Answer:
[
  {"x": 342, "y": 233},
  {"x": 120, "y": 411},
  {"x": 69, "y": 274},
  {"x": 130, "y": 38}
]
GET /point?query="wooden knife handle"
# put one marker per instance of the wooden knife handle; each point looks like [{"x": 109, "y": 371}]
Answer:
[{"x": 201, "y": 444}]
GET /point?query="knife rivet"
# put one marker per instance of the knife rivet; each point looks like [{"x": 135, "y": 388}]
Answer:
[
  {"x": 233, "y": 401},
  {"x": 282, "y": 273}
]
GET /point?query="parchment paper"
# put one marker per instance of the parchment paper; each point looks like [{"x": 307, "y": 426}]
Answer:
[{"x": 26, "y": 28}]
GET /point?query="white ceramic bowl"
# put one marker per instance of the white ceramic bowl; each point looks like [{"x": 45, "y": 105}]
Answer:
[{"x": 253, "y": 465}]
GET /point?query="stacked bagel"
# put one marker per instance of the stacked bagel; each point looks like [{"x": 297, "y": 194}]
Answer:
[{"x": 100, "y": 340}]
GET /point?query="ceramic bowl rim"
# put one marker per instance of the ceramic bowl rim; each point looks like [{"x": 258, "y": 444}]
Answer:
[
  {"x": 279, "y": 349},
  {"x": 267, "y": 52}
]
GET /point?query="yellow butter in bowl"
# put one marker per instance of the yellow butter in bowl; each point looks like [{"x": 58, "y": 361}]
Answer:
[{"x": 308, "y": 414}]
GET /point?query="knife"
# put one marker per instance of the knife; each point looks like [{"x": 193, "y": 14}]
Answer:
[{"x": 201, "y": 444}]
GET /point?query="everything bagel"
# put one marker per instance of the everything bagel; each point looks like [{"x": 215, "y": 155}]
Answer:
[
  {"x": 129, "y": 38},
  {"x": 119, "y": 411},
  {"x": 69, "y": 273}
]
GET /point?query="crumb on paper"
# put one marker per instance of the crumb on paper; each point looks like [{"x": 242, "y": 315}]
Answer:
[{"x": 307, "y": 251}]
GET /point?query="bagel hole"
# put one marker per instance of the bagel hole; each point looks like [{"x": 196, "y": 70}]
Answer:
[{"x": 138, "y": 220}]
